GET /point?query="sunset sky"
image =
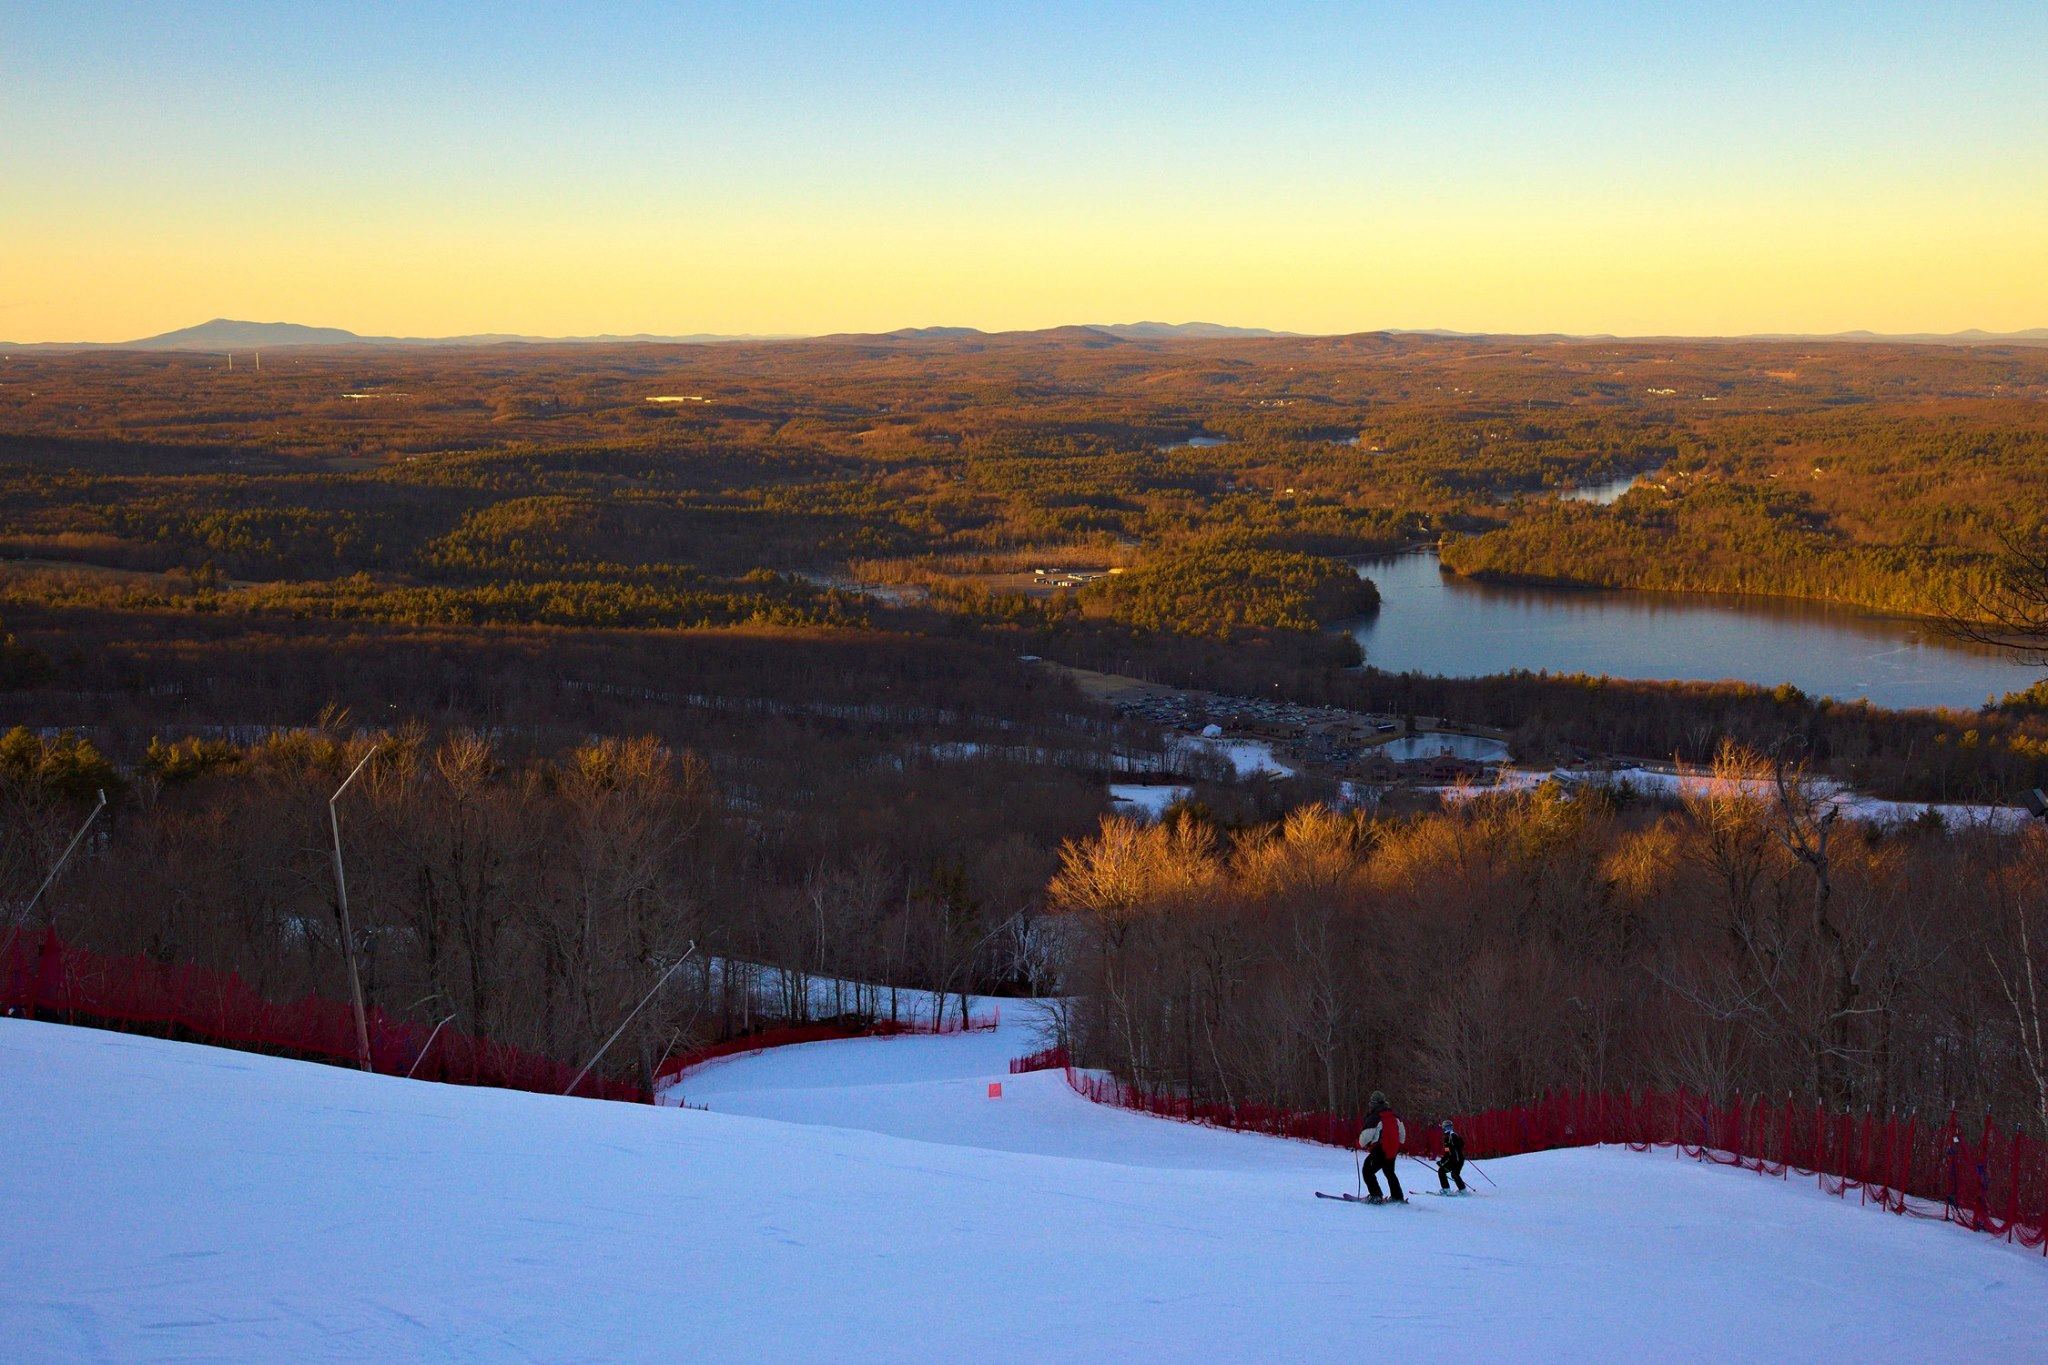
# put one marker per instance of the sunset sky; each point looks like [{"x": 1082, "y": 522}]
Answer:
[{"x": 433, "y": 169}]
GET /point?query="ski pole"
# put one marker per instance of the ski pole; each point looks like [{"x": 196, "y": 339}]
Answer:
[{"x": 1468, "y": 1161}]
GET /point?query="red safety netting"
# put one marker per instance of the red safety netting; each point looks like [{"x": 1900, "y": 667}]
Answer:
[
  {"x": 1051, "y": 1059},
  {"x": 51, "y": 980},
  {"x": 827, "y": 1031},
  {"x": 1979, "y": 1176}
]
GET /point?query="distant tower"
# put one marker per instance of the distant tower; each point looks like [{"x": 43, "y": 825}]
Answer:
[{"x": 231, "y": 362}]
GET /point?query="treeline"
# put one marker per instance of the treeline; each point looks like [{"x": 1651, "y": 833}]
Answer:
[
  {"x": 1221, "y": 590},
  {"x": 1889, "y": 507},
  {"x": 1722, "y": 538},
  {"x": 652, "y": 598},
  {"x": 943, "y": 762},
  {"x": 534, "y": 897},
  {"x": 1742, "y": 945}
]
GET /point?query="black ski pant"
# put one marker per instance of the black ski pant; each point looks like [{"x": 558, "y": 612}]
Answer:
[
  {"x": 1378, "y": 1162},
  {"x": 1449, "y": 1169}
]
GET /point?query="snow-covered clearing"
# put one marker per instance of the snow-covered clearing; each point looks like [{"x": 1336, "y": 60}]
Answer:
[
  {"x": 1247, "y": 757},
  {"x": 773, "y": 991},
  {"x": 867, "y": 1200},
  {"x": 1150, "y": 803},
  {"x": 1671, "y": 786}
]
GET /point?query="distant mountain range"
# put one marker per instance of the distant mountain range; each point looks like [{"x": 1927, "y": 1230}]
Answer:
[
  {"x": 1128, "y": 331},
  {"x": 224, "y": 334},
  {"x": 1975, "y": 336},
  {"x": 228, "y": 334}
]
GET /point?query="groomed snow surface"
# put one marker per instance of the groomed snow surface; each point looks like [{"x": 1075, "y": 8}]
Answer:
[{"x": 867, "y": 1200}]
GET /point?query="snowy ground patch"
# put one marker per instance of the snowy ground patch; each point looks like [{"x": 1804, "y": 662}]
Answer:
[
  {"x": 1247, "y": 757},
  {"x": 868, "y": 1200},
  {"x": 1134, "y": 798}
]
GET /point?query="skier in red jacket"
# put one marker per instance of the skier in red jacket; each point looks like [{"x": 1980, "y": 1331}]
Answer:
[{"x": 1381, "y": 1143}]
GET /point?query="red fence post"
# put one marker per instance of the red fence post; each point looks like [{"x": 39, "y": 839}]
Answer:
[
  {"x": 1885, "y": 1168},
  {"x": 49, "y": 974},
  {"x": 1757, "y": 1136},
  {"x": 2012, "y": 1194},
  {"x": 1867, "y": 1156},
  {"x": 1904, "y": 1168},
  {"x": 1980, "y": 1171}
]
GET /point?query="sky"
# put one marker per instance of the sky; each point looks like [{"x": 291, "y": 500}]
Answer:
[{"x": 432, "y": 169}]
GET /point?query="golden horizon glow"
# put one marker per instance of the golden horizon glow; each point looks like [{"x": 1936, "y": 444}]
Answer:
[{"x": 828, "y": 209}]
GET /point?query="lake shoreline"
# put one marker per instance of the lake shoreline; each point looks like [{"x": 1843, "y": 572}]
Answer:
[
  {"x": 1500, "y": 579},
  {"x": 1437, "y": 622}
]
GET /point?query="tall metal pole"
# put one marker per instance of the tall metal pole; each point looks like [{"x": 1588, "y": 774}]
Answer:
[
  {"x": 348, "y": 933},
  {"x": 428, "y": 1048},
  {"x": 687, "y": 955},
  {"x": 63, "y": 858}
]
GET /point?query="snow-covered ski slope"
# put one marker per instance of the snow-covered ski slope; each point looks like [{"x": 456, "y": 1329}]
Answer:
[{"x": 866, "y": 1200}]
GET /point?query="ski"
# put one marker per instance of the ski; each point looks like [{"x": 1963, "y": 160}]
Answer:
[{"x": 1357, "y": 1199}]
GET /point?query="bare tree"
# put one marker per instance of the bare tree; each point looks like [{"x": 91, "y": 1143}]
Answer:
[
  {"x": 2016, "y": 944},
  {"x": 2010, "y": 610}
]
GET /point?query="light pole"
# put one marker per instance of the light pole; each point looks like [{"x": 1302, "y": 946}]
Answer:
[
  {"x": 64, "y": 857},
  {"x": 428, "y": 1048},
  {"x": 28, "y": 911},
  {"x": 348, "y": 933},
  {"x": 663, "y": 981}
]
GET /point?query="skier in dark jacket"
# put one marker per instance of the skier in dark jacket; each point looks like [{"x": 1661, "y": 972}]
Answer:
[
  {"x": 1381, "y": 1143},
  {"x": 1451, "y": 1165}
]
